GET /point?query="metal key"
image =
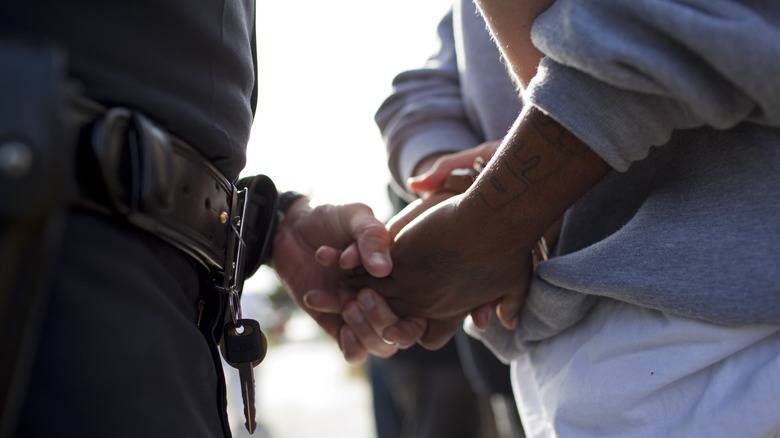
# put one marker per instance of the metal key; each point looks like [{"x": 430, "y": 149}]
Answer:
[{"x": 244, "y": 348}]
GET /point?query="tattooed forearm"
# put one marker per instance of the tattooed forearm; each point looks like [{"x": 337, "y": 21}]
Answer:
[{"x": 535, "y": 152}]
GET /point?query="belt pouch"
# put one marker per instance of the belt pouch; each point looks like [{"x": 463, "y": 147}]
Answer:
[
  {"x": 37, "y": 146},
  {"x": 259, "y": 221}
]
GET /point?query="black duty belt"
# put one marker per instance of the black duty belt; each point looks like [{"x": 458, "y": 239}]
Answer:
[{"x": 128, "y": 165}]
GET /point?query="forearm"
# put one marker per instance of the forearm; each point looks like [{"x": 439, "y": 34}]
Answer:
[
  {"x": 474, "y": 248},
  {"x": 475, "y": 251},
  {"x": 510, "y": 24},
  {"x": 539, "y": 171}
]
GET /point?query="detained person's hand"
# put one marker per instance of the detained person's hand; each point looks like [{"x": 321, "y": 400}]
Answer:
[
  {"x": 441, "y": 177},
  {"x": 474, "y": 249},
  {"x": 446, "y": 265},
  {"x": 372, "y": 326}
]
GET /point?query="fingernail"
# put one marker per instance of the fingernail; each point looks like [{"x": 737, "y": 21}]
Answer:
[
  {"x": 390, "y": 335},
  {"x": 353, "y": 315},
  {"x": 380, "y": 259},
  {"x": 365, "y": 301},
  {"x": 348, "y": 336},
  {"x": 310, "y": 297}
]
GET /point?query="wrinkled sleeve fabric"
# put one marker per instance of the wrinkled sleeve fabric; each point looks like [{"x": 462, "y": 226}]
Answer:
[
  {"x": 682, "y": 99},
  {"x": 623, "y": 75},
  {"x": 425, "y": 113}
]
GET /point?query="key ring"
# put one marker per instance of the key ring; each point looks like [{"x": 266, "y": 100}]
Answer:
[{"x": 234, "y": 304}]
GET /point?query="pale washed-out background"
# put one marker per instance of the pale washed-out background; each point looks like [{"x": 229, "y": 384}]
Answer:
[{"x": 324, "y": 68}]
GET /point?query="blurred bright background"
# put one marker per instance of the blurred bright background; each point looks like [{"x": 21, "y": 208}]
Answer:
[{"x": 324, "y": 69}]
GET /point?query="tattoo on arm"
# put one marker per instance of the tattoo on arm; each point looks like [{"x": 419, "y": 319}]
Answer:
[{"x": 538, "y": 151}]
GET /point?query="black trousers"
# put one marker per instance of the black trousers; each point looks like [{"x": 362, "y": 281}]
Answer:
[{"x": 121, "y": 353}]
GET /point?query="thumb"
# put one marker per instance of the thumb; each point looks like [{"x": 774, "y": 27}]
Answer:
[
  {"x": 373, "y": 242},
  {"x": 429, "y": 181}
]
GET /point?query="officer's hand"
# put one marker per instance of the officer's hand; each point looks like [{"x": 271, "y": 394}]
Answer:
[{"x": 304, "y": 230}]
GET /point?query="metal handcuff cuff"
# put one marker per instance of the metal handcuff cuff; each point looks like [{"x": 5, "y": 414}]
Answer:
[
  {"x": 246, "y": 349},
  {"x": 459, "y": 180},
  {"x": 232, "y": 282}
]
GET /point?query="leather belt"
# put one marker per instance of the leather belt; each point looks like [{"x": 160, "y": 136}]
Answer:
[{"x": 128, "y": 165}]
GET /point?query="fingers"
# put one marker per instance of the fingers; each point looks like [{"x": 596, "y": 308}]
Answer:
[
  {"x": 406, "y": 332},
  {"x": 435, "y": 178},
  {"x": 372, "y": 238},
  {"x": 335, "y": 259},
  {"x": 508, "y": 307},
  {"x": 459, "y": 180},
  {"x": 480, "y": 317},
  {"x": 508, "y": 310},
  {"x": 402, "y": 218},
  {"x": 351, "y": 348},
  {"x": 324, "y": 301},
  {"x": 413, "y": 210},
  {"x": 401, "y": 332},
  {"x": 375, "y": 328},
  {"x": 356, "y": 323},
  {"x": 487, "y": 149},
  {"x": 552, "y": 234},
  {"x": 376, "y": 309},
  {"x": 429, "y": 181},
  {"x": 325, "y": 307},
  {"x": 439, "y": 333},
  {"x": 328, "y": 257},
  {"x": 368, "y": 316},
  {"x": 350, "y": 258},
  {"x": 364, "y": 333}
]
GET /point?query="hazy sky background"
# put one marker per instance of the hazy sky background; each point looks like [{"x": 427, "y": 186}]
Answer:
[{"x": 324, "y": 68}]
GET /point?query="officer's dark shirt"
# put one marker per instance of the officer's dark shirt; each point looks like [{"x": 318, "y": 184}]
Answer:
[{"x": 185, "y": 63}]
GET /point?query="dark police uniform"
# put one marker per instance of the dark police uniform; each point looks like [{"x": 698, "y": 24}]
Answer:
[{"x": 122, "y": 350}]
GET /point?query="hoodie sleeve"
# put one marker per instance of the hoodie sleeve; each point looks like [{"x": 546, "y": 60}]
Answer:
[
  {"x": 623, "y": 75},
  {"x": 425, "y": 113},
  {"x": 628, "y": 75}
]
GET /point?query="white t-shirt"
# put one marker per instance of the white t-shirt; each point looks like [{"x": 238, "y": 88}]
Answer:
[{"x": 625, "y": 371}]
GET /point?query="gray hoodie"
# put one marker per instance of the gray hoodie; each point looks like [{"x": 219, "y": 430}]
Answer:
[{"x": 682, "y": 99}]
